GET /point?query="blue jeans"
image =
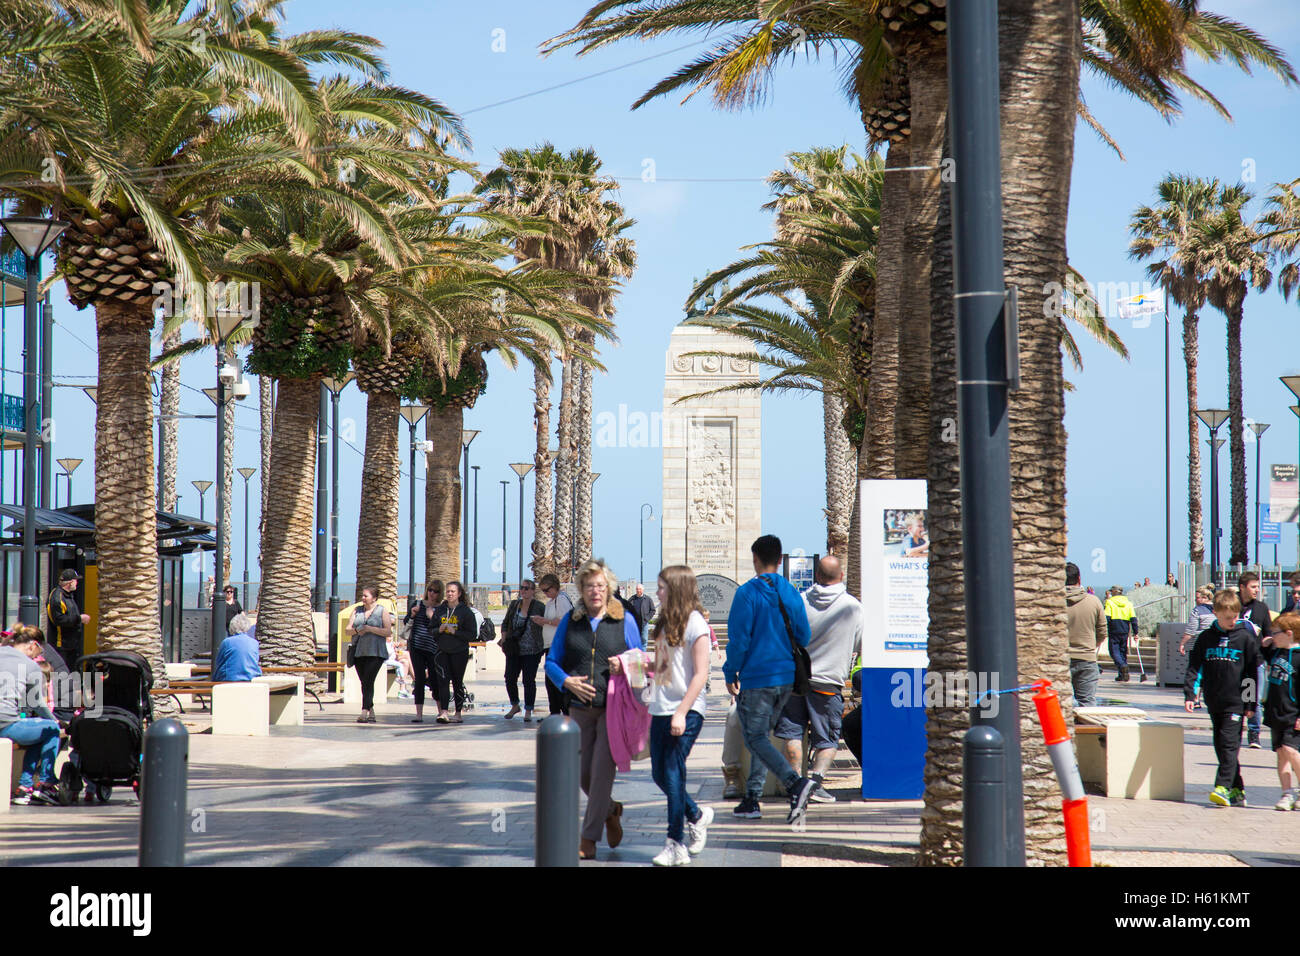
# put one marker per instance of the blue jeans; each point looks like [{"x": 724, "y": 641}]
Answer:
[
  {"x": 41, "y": 738},
  {"x": 668, "y": 767},
  {"x": 759, "y": 710}
]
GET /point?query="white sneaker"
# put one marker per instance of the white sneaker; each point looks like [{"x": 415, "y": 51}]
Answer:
[
  {"x": 822, "y": 795},
  {"x": 673, "y": 854},
  {"x": 1287, "y": 802},
  {"x": 697, "y": 834}
]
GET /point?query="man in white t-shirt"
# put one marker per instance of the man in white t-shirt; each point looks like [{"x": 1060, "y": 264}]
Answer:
[{"x": 557, "y": 605}]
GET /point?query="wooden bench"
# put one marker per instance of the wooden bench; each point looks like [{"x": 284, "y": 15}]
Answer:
[{"x": 326, "y": 668}]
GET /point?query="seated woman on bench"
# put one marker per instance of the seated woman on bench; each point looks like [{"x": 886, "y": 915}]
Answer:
[{"x": 237, "y": 659}]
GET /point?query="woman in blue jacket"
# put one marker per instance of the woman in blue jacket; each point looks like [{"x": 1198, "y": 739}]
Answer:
[{"x": 578, "y": 662}]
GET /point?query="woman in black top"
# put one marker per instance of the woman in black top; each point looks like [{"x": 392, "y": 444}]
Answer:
[
  {"x": 232, "y": 605},
  {"x": 521, "y": 640},
  {"x": 422, "y": 644},
  {"x": 456, "y": 629}
]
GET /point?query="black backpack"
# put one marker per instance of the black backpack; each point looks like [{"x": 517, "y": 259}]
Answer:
[{"x": 487, "y": 631}]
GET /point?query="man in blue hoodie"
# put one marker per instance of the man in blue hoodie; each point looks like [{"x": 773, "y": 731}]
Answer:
[{"x": 760, "y": 672}]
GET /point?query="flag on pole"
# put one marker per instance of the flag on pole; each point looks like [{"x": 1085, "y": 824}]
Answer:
[{"x": 1144, "y": 303}]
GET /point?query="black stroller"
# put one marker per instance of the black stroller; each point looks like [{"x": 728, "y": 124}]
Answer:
[{"x": 107, "y": 734}]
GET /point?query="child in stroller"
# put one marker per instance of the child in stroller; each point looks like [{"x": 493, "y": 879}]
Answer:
[{"x": 107, "y": 734}]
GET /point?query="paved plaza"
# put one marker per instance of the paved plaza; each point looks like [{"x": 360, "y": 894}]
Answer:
[{"x": 335, "y": 793}]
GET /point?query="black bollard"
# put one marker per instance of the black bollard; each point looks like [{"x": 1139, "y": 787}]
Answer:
[
  {"x": 557, "y": 792},
  {"x": 983, "y": 769},
  {"x": 162, "y": 794}
]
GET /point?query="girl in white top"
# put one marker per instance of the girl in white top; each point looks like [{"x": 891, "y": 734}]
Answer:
[{"x": 675, "y": 698}]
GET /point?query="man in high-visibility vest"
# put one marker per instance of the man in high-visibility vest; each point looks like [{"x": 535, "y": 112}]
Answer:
[{"x": 1121, "y": 621}]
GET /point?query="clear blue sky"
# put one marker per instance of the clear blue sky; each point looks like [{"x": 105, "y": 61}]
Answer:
[{"x": 704, "y": 205}]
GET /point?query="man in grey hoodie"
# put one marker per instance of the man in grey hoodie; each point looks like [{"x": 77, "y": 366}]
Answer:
[
  {"x": 835, "y": 618},
  {"x": 1086, "y": 626}
]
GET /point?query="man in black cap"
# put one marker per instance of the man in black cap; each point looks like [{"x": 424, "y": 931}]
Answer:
[{"x": 66, "y": 618}]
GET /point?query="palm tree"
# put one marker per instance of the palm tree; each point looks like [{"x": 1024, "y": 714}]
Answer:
[
  {"x": 1166, "y": 229},
  {"x": 1280, "y": 227},
  {"x": 328, "y": 258},
  {"x": 126, "y": 113},
  {"x": 1228, "y": 251},
  {"x": 565, "y": 191}
]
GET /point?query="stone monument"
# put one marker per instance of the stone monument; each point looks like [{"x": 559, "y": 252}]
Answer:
[{"x": 712, "y": 448}]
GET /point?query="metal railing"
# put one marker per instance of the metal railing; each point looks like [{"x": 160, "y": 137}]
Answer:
[
  {"x": 12, "y": 417},
  {"x": 13, "y": 264}
]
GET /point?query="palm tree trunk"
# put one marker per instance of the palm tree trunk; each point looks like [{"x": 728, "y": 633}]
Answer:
[
  {"x": 565, "y": 466},
  {"x": 381, "y": 491},
  {"x": 284, "y": 623},
  {"x": 126, "y": 523},
  {"x": 582, "y": 437},
  {"x": 878, "y": 447},
  {"x": 442, "y": 502},
  {"x": 169, "y": 406},
  {"x": 543, "y": 534},
  {"x": 266, "y": 409},
  {"x": 1195, "y": 533},
  {"x": 1041, "y": 45},
  {"x": 941, "y": 819},
  {"x": 1237, "y": 438},
  {"x": 928, "y": 79},
  {"x": 839, "y": 476}
]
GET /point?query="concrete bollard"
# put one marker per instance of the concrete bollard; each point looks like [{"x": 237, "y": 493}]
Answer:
[
  {"x": 162, "y": 794},
  {"x": 983, "y": 769},
  {"x": 557, "y": 792}
]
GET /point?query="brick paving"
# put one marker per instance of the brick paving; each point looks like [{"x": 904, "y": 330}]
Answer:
[{"x": 336, "y": 793}]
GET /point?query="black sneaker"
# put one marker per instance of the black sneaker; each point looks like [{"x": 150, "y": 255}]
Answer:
[
  {"x": 799, "y": 795},
  {"x": 47, "y": 796},
  {"x": 1253, "y": 740},
  {"x": 747, "y": 809}
]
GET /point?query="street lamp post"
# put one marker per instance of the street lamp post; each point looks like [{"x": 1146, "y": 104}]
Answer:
[
  {"x": 475, "y": 468},
  {"x": 246, "y": 473},
  {"x": 1258, "y": 428},
  {"x": 69, "y": 465},
  {"x": 467, "y": 435},
  {"x": 413, "y": 414},
  {"x": 202, "y": 488},
  {"x": 504, "y": 483},
  {"x": 226, "y": 322},
  {"x": 334, "y": 386},
  {"x": 1293, "y": 383},
  {"x": 33, "y": 235},
  {"x": 521, "y": 469},
  {"x": 1213, "y": 419},
  {"x": 641, "y": 579}
]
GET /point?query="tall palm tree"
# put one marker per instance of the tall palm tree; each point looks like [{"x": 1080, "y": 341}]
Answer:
[
  {"x": 1165, "y": 230},
  {"x": 1280, "y": 228},
  {"x": 328, "y": 257},
  {"x": 1227, "y": 249},
  {"x": 129, "y": 113},
  {"x": 565, "y": 191}
]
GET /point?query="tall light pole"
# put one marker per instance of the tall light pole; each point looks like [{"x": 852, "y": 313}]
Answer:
[
  {"x": 641, "y": 579},
  {"x": 202, "y": 488},
  {"x": 504, "y": 483},
  {"x": 246, "y": 473},
  {"x": 413, "y": 414},
  {"x": 34, "y": 235},
  {"x": 226, "y": 323},
  {"x": 467, "y": 435},
  {"x": 521, "y": 469},
  {"x": 1213, "y": 419},
  {"x": 475, "y": 468},
  {"x": 1293, "y": 383},
  {"x": 69, "y": 465},
  {"x": 334, "y": 386},
  {"x": 1258, "y": 428},
  {"x": 987, "y": 370}
]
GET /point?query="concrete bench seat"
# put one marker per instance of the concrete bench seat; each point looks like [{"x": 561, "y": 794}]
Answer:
[
  {"x": 11, "y": 766},
  {"x": 249, "y": 708},
  {"x": 1132, "y": 758}
]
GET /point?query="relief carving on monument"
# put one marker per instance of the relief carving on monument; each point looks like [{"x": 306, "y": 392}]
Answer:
[
  {"x": 682, "y": 363},
  {"x": 712, "y": 492},
  {"x": 739, "y": 365},
  {"x": 711, "y": 363}
]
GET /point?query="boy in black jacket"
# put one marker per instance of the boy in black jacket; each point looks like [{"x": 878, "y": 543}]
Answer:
[
  {"x": 1225, "y": 657},
  {"x": 1281, "y": 707}
]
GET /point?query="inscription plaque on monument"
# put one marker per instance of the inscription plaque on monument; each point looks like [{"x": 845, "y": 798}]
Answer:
[{"x": 716, "y": 593}]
